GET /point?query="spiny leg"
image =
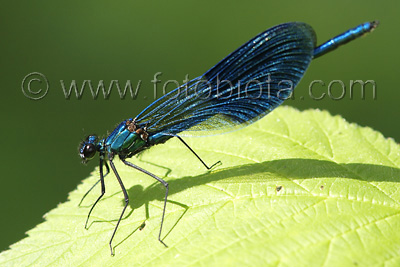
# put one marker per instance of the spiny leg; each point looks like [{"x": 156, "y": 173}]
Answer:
[
  {"x": 126, "y": 202},
  {"x": 103, "y": 188},
  {"x": 166, "y": 193},
  {"x": 205, "y": 165},
  {"x": 84, "y": 196}
]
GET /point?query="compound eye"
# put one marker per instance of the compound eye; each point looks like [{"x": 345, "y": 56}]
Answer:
[{"x": 89, "y": 151}]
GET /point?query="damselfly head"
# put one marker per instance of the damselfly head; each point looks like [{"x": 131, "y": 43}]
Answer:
[{"x": 88, "y": 148}]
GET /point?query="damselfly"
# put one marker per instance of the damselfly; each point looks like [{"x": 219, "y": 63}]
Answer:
[{"x": 242, "y": 88}]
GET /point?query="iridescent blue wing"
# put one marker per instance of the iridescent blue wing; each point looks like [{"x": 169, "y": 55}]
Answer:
[{"x": 240, "y": 89}]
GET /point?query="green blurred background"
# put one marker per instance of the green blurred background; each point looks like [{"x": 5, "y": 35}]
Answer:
[{"x": 133, "y": 40}]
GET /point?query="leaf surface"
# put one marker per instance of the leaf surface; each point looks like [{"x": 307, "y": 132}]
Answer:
[{"x": 295, "y": 188}]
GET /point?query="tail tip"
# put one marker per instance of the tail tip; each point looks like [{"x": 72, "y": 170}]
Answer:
[{"x": 374, "y": 24}]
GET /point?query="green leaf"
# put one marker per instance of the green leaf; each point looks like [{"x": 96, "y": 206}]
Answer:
[{"x": 295, "y": 188}]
